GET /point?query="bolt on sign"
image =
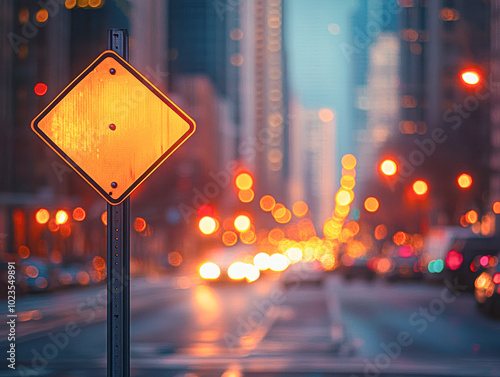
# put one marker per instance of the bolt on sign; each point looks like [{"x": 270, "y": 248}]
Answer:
[{"x": 113, "y": 126}]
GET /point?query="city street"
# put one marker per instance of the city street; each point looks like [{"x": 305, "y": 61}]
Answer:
[
  {"x": 250, "y": 188},
  {"x": 181, "y": 327}
]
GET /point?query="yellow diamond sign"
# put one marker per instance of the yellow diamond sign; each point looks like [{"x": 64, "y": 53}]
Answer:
[{"x": 113, "y": 126}]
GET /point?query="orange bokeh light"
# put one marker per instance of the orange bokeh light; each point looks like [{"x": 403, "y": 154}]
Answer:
[
  {"x": 496, "y": 208},
  {"x": 471, "y": 217},
  {"x": 61, "y": 217},
  {"x": 380, "y": 232},
  {"x": 174, "y": 258},
  {"x": 372, "y": 204},
  {"x": 244, "y": 181},
  {"x": 420, "y": 187},
  {"x": 267, "y": 203},
  {"x": 229, "y": 238},
  {"x": 326, "y": 115},
  {"x": 464, "y": 181},
  {"x": 349, "y": 161},
  {"x": 139, "y": 224},
  {"x": 79, "y": 214},
  {"x": 344, "y": 197},
  {"x": 246, "y": 196},
  {"x": 98, "y": 263},
  {"x": 42, "y": 216},
  {"x": 300, "y": 208}
]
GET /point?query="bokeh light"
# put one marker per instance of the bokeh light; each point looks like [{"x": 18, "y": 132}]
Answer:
[
  {"x": 242, "y": 223},
  {"x": 244, "y": 181},
  {"x": 246, "y": 196},
  {"x": 389, "y": 167},
  {"x": 79, "y": 214},
  {"x": 61, "y": 217},
  {"x": 40, "y": 89},
  {"x": 349, "y": 161},
  {"x": 229, "y": 238},
  {"x": 470, "y": 77},
  {"x": 464, "y": 181},
  {"x": 267, "y": 203},
  {"x": 372, "y": 204},
  {"x": 209, "y": 271},
  {"x": 42, "y": 216},
  {"x": 325, "y": 115},
  {"x": 207, "y": 225},
  {"x": 420, "y": 187},
  {"x": 300, "y": 208}
]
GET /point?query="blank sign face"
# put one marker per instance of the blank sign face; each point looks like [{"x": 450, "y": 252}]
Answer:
[{"x": 113, "y": 126}]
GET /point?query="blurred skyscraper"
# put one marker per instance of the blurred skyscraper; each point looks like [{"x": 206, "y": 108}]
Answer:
[
  {"x": 312, "y": 153},
  {"x": 263, "y": 94},
  {"x": 382, "y": 105}
]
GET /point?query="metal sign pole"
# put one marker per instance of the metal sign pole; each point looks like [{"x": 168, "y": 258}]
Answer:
[{"x": 118, "y": 332}]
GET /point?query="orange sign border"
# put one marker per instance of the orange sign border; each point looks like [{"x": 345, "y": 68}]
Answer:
[{"x": 150, "y": 86}]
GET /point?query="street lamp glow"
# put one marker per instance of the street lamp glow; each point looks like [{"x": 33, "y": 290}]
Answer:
[{"x": 388, "y": 167}]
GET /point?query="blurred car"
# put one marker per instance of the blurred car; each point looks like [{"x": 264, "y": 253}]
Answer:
[
  {"x": 405, "y": 265},
  {"x": 437, "y": 243},
  {"x": 487, "y": 288},
  {"x": 302, "y": 274},
  {"x": 464, "y": 263},
  {"x": 67, "y": 275},
  {"x": 229, "y": 264},
  {"x": 357, "y": 268},
  {"x": 37, "y": 275}
]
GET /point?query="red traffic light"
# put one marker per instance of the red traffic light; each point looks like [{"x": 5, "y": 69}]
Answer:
[
  {"x": 470, "y": 77},
  {"x": 205, "y": 211},
  {"x": 40, "y": 89}
]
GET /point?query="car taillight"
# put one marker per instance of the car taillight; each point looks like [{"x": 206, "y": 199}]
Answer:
[
  {"x": 496, "y": 278},
  {"x": 454, "y": 260}
]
